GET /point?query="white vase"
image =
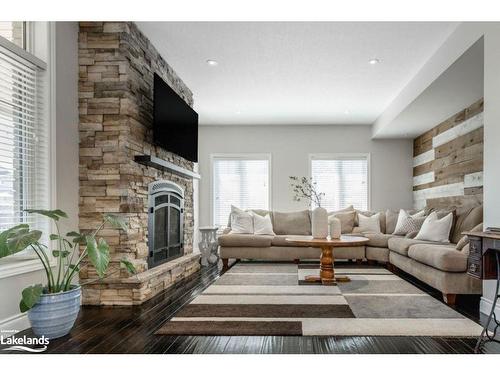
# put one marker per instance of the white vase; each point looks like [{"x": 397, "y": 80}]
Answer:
[
  {"x": 319, "y": 223},
  {"x": 335, "y": 227}
]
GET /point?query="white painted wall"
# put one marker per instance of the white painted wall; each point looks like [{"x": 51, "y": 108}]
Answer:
[
  {"x": 290, "y": 146},
  {"x": 491, "y": 177},
  {"x": 66, "y": 153}
]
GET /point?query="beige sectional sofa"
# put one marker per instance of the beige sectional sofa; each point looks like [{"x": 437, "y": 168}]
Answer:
[{"x": 439, "y": 265}]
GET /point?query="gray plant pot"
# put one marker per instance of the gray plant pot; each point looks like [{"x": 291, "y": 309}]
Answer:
[{"x": 55, "y": 314}]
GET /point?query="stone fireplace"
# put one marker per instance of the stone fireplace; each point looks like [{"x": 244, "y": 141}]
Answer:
[{"x": 116, "y": 71}]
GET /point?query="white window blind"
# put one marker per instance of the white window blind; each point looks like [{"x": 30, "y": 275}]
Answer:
[
  {"x": 242, "y": 182},
  {"x": 23, "y": 143},
  {"x": 343, "y": 180}
]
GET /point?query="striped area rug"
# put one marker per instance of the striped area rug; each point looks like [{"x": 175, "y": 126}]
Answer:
[{"x": 273, "y": 299}]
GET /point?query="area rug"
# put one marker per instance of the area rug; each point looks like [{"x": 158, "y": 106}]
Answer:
[{"x": 273, "y": 299}]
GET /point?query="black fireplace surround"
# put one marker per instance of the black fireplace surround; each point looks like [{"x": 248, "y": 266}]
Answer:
[{"x": 165, "y": 222}]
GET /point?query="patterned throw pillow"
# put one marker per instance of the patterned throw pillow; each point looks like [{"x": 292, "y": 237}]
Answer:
[{"x": 408, "y": 223}]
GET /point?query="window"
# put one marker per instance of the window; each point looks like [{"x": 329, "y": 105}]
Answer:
[
  {"x": 14, "y": 32},
  {"x": 242, "y": 181},
  {"x": 24, "y": 137},
  {"x": 343, "y": 179}
]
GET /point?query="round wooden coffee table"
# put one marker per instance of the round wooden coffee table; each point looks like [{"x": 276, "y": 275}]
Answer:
[{"x": 327, "y": 272}]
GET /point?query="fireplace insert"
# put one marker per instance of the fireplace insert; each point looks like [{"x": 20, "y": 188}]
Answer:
[{"x": 165, "y": 222}]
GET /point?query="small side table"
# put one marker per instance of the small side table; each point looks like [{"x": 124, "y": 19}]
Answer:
[
  {"x": 209, "y": 246},
  {"x": 484, "y": 263}
]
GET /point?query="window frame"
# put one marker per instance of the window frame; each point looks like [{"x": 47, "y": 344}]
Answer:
[
  {"x": 12, "y": 266},
  {"x": 346, "y": 156},
  {"x": 238, "y": 156}
]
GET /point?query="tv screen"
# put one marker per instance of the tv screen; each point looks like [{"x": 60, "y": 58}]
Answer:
[{"x": 175, "y": 124}]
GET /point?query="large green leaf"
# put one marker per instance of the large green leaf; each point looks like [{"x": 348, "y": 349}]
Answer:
[
  {"x": 4, "y": 236},
  {"x": 116, "y": 221},
  {"x": 129, "y": 266},
  {"x": 98, "y": 254},
  {"x": 57, "y": 253},
  {"x": 53, "y": 214},
  {"x": 77, "y": 237},
  {"x": 31, "y": 296},
  {"x": 22, "y": 239}
]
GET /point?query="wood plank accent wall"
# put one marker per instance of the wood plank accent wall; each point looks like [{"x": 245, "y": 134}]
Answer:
[{"x": 448, "y": 161}]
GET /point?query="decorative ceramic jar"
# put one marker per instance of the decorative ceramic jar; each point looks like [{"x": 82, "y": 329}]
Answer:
[
  {"x": 209, "y": 246},
  {"x": 319, "y": 223},
  {"x": 54, "y": 314},
  {"x": 335, "y": 227}
]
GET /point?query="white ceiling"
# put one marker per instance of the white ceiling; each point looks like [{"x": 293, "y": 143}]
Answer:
[
  {"x": 455, "y": 89},
  {"x": 295, "y": 73}
]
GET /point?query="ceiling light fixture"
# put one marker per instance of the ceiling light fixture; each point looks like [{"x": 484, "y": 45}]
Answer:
[
  {"x": 212, "y": 62},
  {"x": 373, "y": 61}
]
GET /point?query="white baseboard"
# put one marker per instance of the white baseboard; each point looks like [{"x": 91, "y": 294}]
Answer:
[
  {"x": 18, "y": 322},
  {"x": 485, "y": 307}
]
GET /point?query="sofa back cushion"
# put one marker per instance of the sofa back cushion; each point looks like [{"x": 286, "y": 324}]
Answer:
[
  {"x": 467, "y": 218},
  {"x": 346, "y": 219},
  {"x": 298, "y": 223},
  {"x": 391, "y": 218}
]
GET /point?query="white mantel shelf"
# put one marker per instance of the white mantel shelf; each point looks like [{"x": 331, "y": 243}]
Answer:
[{"x": 164, "y": 165}]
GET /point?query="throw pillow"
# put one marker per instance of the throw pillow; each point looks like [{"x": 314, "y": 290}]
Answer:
[
  {"x": 346, "y": 220},
  {"x": 382, "y": 218},
  {"x": 262, "y": 225},
  {"x": 408, "y": 223},
  {"x": 435, "y": 229},
  {"x": 465, "y": 239},
  {"x": 241, "y": 221},
  {"x": 369, "y": 223}
]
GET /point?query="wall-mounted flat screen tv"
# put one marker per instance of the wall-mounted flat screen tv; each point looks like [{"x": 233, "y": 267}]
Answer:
[{"x": 175, "y": 124}]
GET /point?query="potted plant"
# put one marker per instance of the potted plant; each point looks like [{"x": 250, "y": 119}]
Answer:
[
  {"x": 306, "y": 188},
  {"x": 53, "y": 307}
]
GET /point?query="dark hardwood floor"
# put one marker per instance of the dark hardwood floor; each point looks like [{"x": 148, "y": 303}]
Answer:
[{"x": 131, "y": 330}]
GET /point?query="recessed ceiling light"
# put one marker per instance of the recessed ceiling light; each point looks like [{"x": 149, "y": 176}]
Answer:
[
  {"x": 373, "y": 61},
  {"x": 212, "y": 62}
]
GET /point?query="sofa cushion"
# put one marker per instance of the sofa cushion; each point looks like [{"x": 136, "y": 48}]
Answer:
[
  {"x": 466, "y": 220},
  {"x": 401, "y": 244},
  {"x": 443, "y": 257},
  {"x": 465, "y": 239},
  {"x": 377, "y": 239},
  {"x": 347, "y": 209},
  {"x": 346, "y": 220},
  {"x": 298, "y": 223},
  {"x": 245, "y": 240},
  {"x": 391, "y": 218},
  {"x": 280, "y": 240}
]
